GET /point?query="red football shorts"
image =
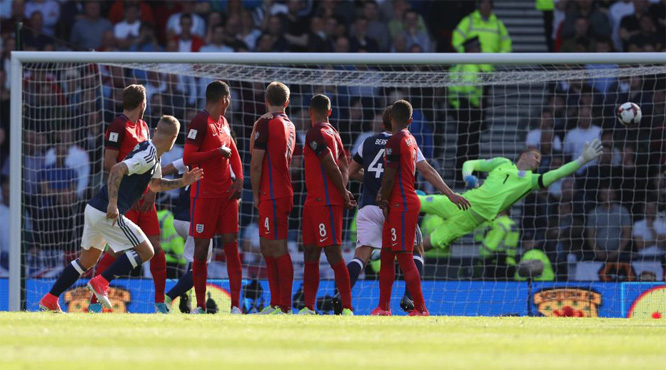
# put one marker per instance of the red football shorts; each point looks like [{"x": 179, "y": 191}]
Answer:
[
  {"x": 213, "y": 216},
  {"x": 274, "y": 218},
  {"x": 400, "y": 230},
  {"x": 322, "y": 225},
  {"x": 147, "y": 221}
]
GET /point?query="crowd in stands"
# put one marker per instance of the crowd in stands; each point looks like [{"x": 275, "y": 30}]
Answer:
[{"x": 610, "y": 210}]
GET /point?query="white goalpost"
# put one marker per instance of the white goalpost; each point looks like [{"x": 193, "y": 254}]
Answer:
[{"x": 512, "y": 95}]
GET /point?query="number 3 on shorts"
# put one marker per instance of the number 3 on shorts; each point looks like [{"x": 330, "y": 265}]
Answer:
[
  {"x": 322, "y": 230},
  {"x": 393, "y": 235}
]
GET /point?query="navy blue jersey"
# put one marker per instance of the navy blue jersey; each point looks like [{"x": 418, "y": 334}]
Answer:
[
  {"x": 143, "y": 166},
  {"x": 181, "y": 205},
  {"x": 370, "y": 155}
]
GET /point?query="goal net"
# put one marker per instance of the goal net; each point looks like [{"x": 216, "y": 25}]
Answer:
[{"x": 590, "y": 244}]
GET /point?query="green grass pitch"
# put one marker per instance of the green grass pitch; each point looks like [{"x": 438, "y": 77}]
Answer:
[{"x": 126, "y": 341}]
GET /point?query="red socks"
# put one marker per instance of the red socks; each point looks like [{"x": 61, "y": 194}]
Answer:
[
  {"x": 199, "y": 275},
  {"x": 285, "y": 270},
  {"x": 386, "y": 277},
  {"x": 343, "y": 283},
  {"x": 102, "y": 265},
  {"x": 158, "y": 270},
  {"x": 311, "y": 283},
  {"x": 273, "y": 280},
  {"x": 412, "y": 279},
  {"x": 235, "y": 272}
]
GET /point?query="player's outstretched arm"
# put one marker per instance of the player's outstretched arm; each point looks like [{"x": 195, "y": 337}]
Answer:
[
  {"x": 333, "y": 172},
  {"x": 256, "y": 167},
  {"x": 433, "y": 177},
  {"x": 483, "y": 165},
  {"x": 591, "y": 151},
  {"x": 189, "y": 177}
]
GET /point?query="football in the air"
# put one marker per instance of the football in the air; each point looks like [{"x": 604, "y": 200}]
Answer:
[{"x": 629, "y": 114}]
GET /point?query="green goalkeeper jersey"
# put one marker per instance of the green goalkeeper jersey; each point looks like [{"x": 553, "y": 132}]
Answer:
[{"x": 504, "y": 186}]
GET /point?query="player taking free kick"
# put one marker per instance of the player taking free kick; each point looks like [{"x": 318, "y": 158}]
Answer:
[
  {"x": 397, "y": 197},
  {"x": 105, "y": 222},
  {"x": 124, "y": 133},
  {"x": 272, "y": 148},
  {"x": 214, "y": 200},
  {"x": 326, "y": 177}
]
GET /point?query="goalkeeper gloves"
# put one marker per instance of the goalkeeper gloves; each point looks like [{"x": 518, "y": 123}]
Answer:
[
  {"x": 471, "y": 181},
  {"x": 591, "y": 151}
]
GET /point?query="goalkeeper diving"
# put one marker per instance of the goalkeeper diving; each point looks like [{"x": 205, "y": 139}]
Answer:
[{"x": 506, "y": 184}]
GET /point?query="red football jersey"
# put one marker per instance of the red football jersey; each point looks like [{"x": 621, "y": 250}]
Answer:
[
  {"x": 277, "y": 137},
  {"x": 207, "y": 135},
  {"x": 123, "y": 135},
  {"x": 401, "y": 153},
  {"x": 321, "y": 139}
]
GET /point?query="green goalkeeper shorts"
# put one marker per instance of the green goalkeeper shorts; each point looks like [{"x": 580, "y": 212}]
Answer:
[{"x": 456, "y": 222}]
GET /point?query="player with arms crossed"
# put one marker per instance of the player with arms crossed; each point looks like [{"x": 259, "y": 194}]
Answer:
[
  {"x": 105, "y": 222},
  {"x": 326, "y": 179},
  {"x": 122, "y": 136},
  {"x": 272, "y": 147},
  {"x": 214, "y": 200},
  {"x": 506, "y": 184},
  {"x": 367, "y": 167},
  {"x": 397, "y": 198}
]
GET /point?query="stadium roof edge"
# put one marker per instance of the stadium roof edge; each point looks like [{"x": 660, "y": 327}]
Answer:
[{"x": 340, "y": 58}]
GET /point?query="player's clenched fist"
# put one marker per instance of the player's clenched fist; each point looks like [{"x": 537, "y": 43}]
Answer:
[
  {"x": 225, "y": 151},
  {"x": 350, "y": 201},
  {"x": 191, "y": 176},
  {"x": 112, "y": 213}
]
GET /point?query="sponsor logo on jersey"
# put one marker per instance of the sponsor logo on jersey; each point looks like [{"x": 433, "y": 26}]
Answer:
[
  {"x": 380, "y": 141},
  {"x": 567, "y": 302},
  {"x": 113, "y": 137},
  {"x": 78, "y": 299},
  {"x": 192, "y": 134},
  {"x": 409, "y": 142},
  {"x": 200, "y": 228}
]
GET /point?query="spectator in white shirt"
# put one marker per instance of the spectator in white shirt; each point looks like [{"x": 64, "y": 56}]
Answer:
[
  {"x": 76, "y": 159},
  {"x": 650, "y": 232},
  {"x": 217, "y": 42},
  {"x": 533, "y": 139},
  {"x": 248, "y": 33},
  {"x": 198, "y": 23},
  {"x": 50, "y": 10},
  {"x": 585, "y": 131},
  {"x": 616, "y": 12},
  {"x": 127, "y": 32}
]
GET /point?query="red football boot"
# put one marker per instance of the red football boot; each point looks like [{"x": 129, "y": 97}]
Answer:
[
  {"x": 49, "y": 303},
  {"x": 380, "y": 312},
  {"x": 419, "y": 313},
  {"x": 100, "y": 288}
]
